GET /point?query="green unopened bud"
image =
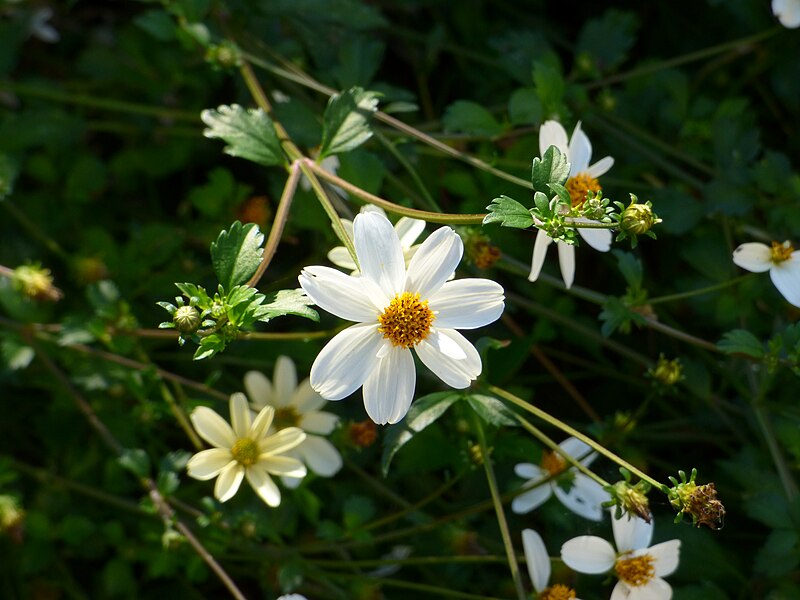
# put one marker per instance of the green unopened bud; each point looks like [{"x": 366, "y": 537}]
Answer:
[
  {"x": 35, "y": 282},
  {"x": 632, "y": 498},
  {"x": 186, "y": 319},
  {"x": 225, "y": 55},
  {"x": 12, "y": 518},
  {"x": 637, "y": 219},
  {"x": 668, "y": 372}
]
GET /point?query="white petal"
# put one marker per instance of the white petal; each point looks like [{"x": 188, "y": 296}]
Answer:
[
  {"x": 467, "y": 303},
  {"x": 262, "y": 483},
  {"x": 529, "y": 471},
  {"x": 408, "y": 230},
  {"x": 539, "y": 252},
  {"x": 320, "y": 456},
  {"x": 552, "y": 133},
  {"x": 259, "y": 389},
  {"x": 240, "y": 415},
  {"x": 580, "y": 151},
  {"x": 537, "y": 558},
  {"x": 346, "y": 361},
  {"x": 208, "y": 463},
  {"x": 621, "y": 591},
  {"x": 533, "y": 498},
  {"x": 434, "y": 262},
  {"x": 305, "y": 399},
  {"x": 280, "y": 442},
  {"x": 666, "y": 556},
  {"x": 588, "y": 554},
  {"x": 389, "y": 388},
  {"x": 599, "y": 239},
  {"x": 631, "y": 532},
  {"x": 284, "y": 381},
  {"x": 655, "y": 589},
  {"x": 347, "y": 297},
  {"x": 566, "y": 261},
  {"x": 788, "y": 12},
  {"x": 451, "y": 357},
  {"x": 282, "y": 465},
  {"x": 321, "y": 423},
  {"x": 262, "y": 422},
  {"x": 601, "y": 167},
  {"x": 228, "y": 482},
  {"x": 786, "y": 277},
  {"x": 212, "y": 428},
  {"x": 580, "y": 451},
  {"x": 291, "y": 483},
  {"x": 753, "y": 256},
  {"x": 584, "y": 498},
  {"x": 379, "y": 252},
  {"x": 341, "y": 258}
]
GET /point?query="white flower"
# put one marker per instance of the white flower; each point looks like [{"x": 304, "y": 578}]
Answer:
[
  {"x": 788, "y": 12},
  {"x": 296, "y": 406},
  {"x": 639, "y": 566},
  {"x": 395, "y": 309},
  {"x": 244, "y": 449},
  {"x": 781, "y": 260},
  {"x": 538, "y": 562},
  {"x": 292, "y": 597},
  {"x": 41, "y": 29},
  {"x": 582, "y": 178},
  {"x": 585, "y": 495},
  {"x": 408, "y": 230}
]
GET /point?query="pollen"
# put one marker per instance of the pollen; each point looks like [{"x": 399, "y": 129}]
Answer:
[
  {"x": 406, "y": 321},
  {"x": 635, "y": 571},
  {"x": 553, "y": 463},
  {"x": 286, "y": 416},
  {"x": 781, "y": 252},
  {"x": 557, "y": 592},
  {"x": 245, "y": 452},
  {"x": 579, "y": 186}
]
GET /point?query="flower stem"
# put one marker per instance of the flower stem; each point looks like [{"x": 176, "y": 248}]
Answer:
[{"x": 700, "y": 291}]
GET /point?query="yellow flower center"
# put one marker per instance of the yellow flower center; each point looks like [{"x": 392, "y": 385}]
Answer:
[
  {"x": 553, "y": 463},
  {"x": 635, "y": 571},
  {"x": 406, "y": 321},
  {"x": 285, "y": 417},
  {"x": 245, "y": 452},
  {"x": 781, "y": 252},
  {"x": 579, "y": 186},
  {"x": 557, "y": 592}
]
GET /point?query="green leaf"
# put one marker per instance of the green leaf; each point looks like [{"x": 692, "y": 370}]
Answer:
[
  {"x": 630, "y": 267},
  {"x": 250, "y": 134},
  {"x": 553, "y": 167},
  {"x": 492, "y": 410},
  {"x": 509, "y": 213},
  {"x": 562, "y": 193},
  {"x": 617, "y": 29},
  {"x": 136, "y": 461},
  {"x": 237, "y": 253},
  {"x": 422, "y": 413},
  {"x": 542, "y": 203},
  {"x": 287, "y": 302},
  {"x": 346, "y": 123},
  {"x": 209, "y": 346},
  {"x": 524, "y": 107},
  {"x": 470, "y": 117},
  {"x": 618, "y": 315},
  {"x": 741, "y": 341},
  {"x": 549, "y": 84}
]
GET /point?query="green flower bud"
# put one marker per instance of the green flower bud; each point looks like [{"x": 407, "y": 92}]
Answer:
[
  {"x": 668, "y": 372},
  {"x": 35, "y": 282},
  {"x": 186, "y": 319},
  {"x": 638, "y": 218}
]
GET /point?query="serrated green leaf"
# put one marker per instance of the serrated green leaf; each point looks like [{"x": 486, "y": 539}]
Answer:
[
  {"x": 250, "y": 133},
  {"x": 237, "y": 253},
  {"x": 509, "y": 213},
  {"x": 287, "y": 302},
  {"x": 422, "y": 413},
  {"x": 562, "y": 193},
  {"x": 469, "y": 117},
  {"x": 209, "y": 346},
  {"x": 190, "y": 290},
  {"x": 553, "y": 167},
  {"x": 492, "y": 411},
  {"x": 346, "y": 123},
  {"x": 741, "y": 341},
  {"x": 618, "y": 315}
]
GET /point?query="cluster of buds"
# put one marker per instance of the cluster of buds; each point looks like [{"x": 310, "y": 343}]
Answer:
[
  {"x": 698, "y": 501},
  {"x": 630, "y": 498}
]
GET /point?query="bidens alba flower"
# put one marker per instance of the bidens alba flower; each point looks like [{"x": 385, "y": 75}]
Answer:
[
  {"x": 296, "y": 406},
  {"x": 576, "y": 491},
  {"x": 788, "y": 12},
  {"x": 538, "y": 562},
  {"x": 638, "y": 566},
  {"x": 781, "y": 260},
  {"x": 244, "y": 449},
  {"x": 582, "y": 179},
  {"x": 396, "y": 309}
]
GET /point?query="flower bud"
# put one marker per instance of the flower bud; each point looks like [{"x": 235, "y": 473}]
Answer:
[
  {"x": 638, "y": 218},
  {"x": 12, "y": 518},
  {"x": 36, "y": 282},
  {"x": 186, "y": 319},
  {"x": 632, "y": 498},
  {"x": 668, "y": 372}
]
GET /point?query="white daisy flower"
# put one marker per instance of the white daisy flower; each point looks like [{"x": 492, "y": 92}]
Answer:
[
  {"x": 583, "y": 496},
  {"x": 396, "y": 309},
  {"x": 781, "y": 260},
  {"x": 296, "y": 406},
  {"x": 788, "y": 12},
  {"x": 245, "y": 449},
  {"x": 582, "y": 179},
  {"x": 538, "y": 562},
  {"x": 638, "y": 566},
  {"x": 408, "y": 230}
]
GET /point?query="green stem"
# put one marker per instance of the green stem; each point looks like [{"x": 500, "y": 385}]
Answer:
[
  {"x": 392, "y": 148},
  {"x": 548, "y": 418},
  {"x": 764, "y": 423},
  {"x": 700, "y": 291},
  {"x": 35, "y": 231},
  {"x": 498, "y": 508}
]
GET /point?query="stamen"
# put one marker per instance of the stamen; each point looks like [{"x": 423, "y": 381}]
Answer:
[
  {"x": 580, "y": 185},
  {"x": 781, "y": 252},
  {"x": 635, "y": 571},
  {"x": 406, "y": 321},
  {"x": 553, "y": 463},
  {"x": 557, "y": 592},
  {"x": 245, "y": 451},
  {"x": 285, "y": 417}
]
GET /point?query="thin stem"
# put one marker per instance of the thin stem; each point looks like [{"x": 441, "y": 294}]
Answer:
[
  {"x": 419, "y": 560},
  {"x": 392, "y": 148},
  {"x": 699, "y": 291},
  {"x": 180, "y": 416},
  {"x": 764, "y": 423},
  {"x": 498, "y": 509},
  {"x": 35, "y": 231}
]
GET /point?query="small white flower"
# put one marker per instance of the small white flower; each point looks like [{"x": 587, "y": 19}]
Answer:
[
  {"x": 781, "y": 260},
  {"x": 244, "y": 449},
  {"x": 582, "y": 178},
  {"x": 788, "y": 12},
  {"x": 638, "y": 566},
  {"x": 296, "y": 406},
  {"x": 585, "y": 496},
  {"x": 396, "y": 309},
  {"x": 538, "y": 562},
  {"x": 408, "y": 230}
]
